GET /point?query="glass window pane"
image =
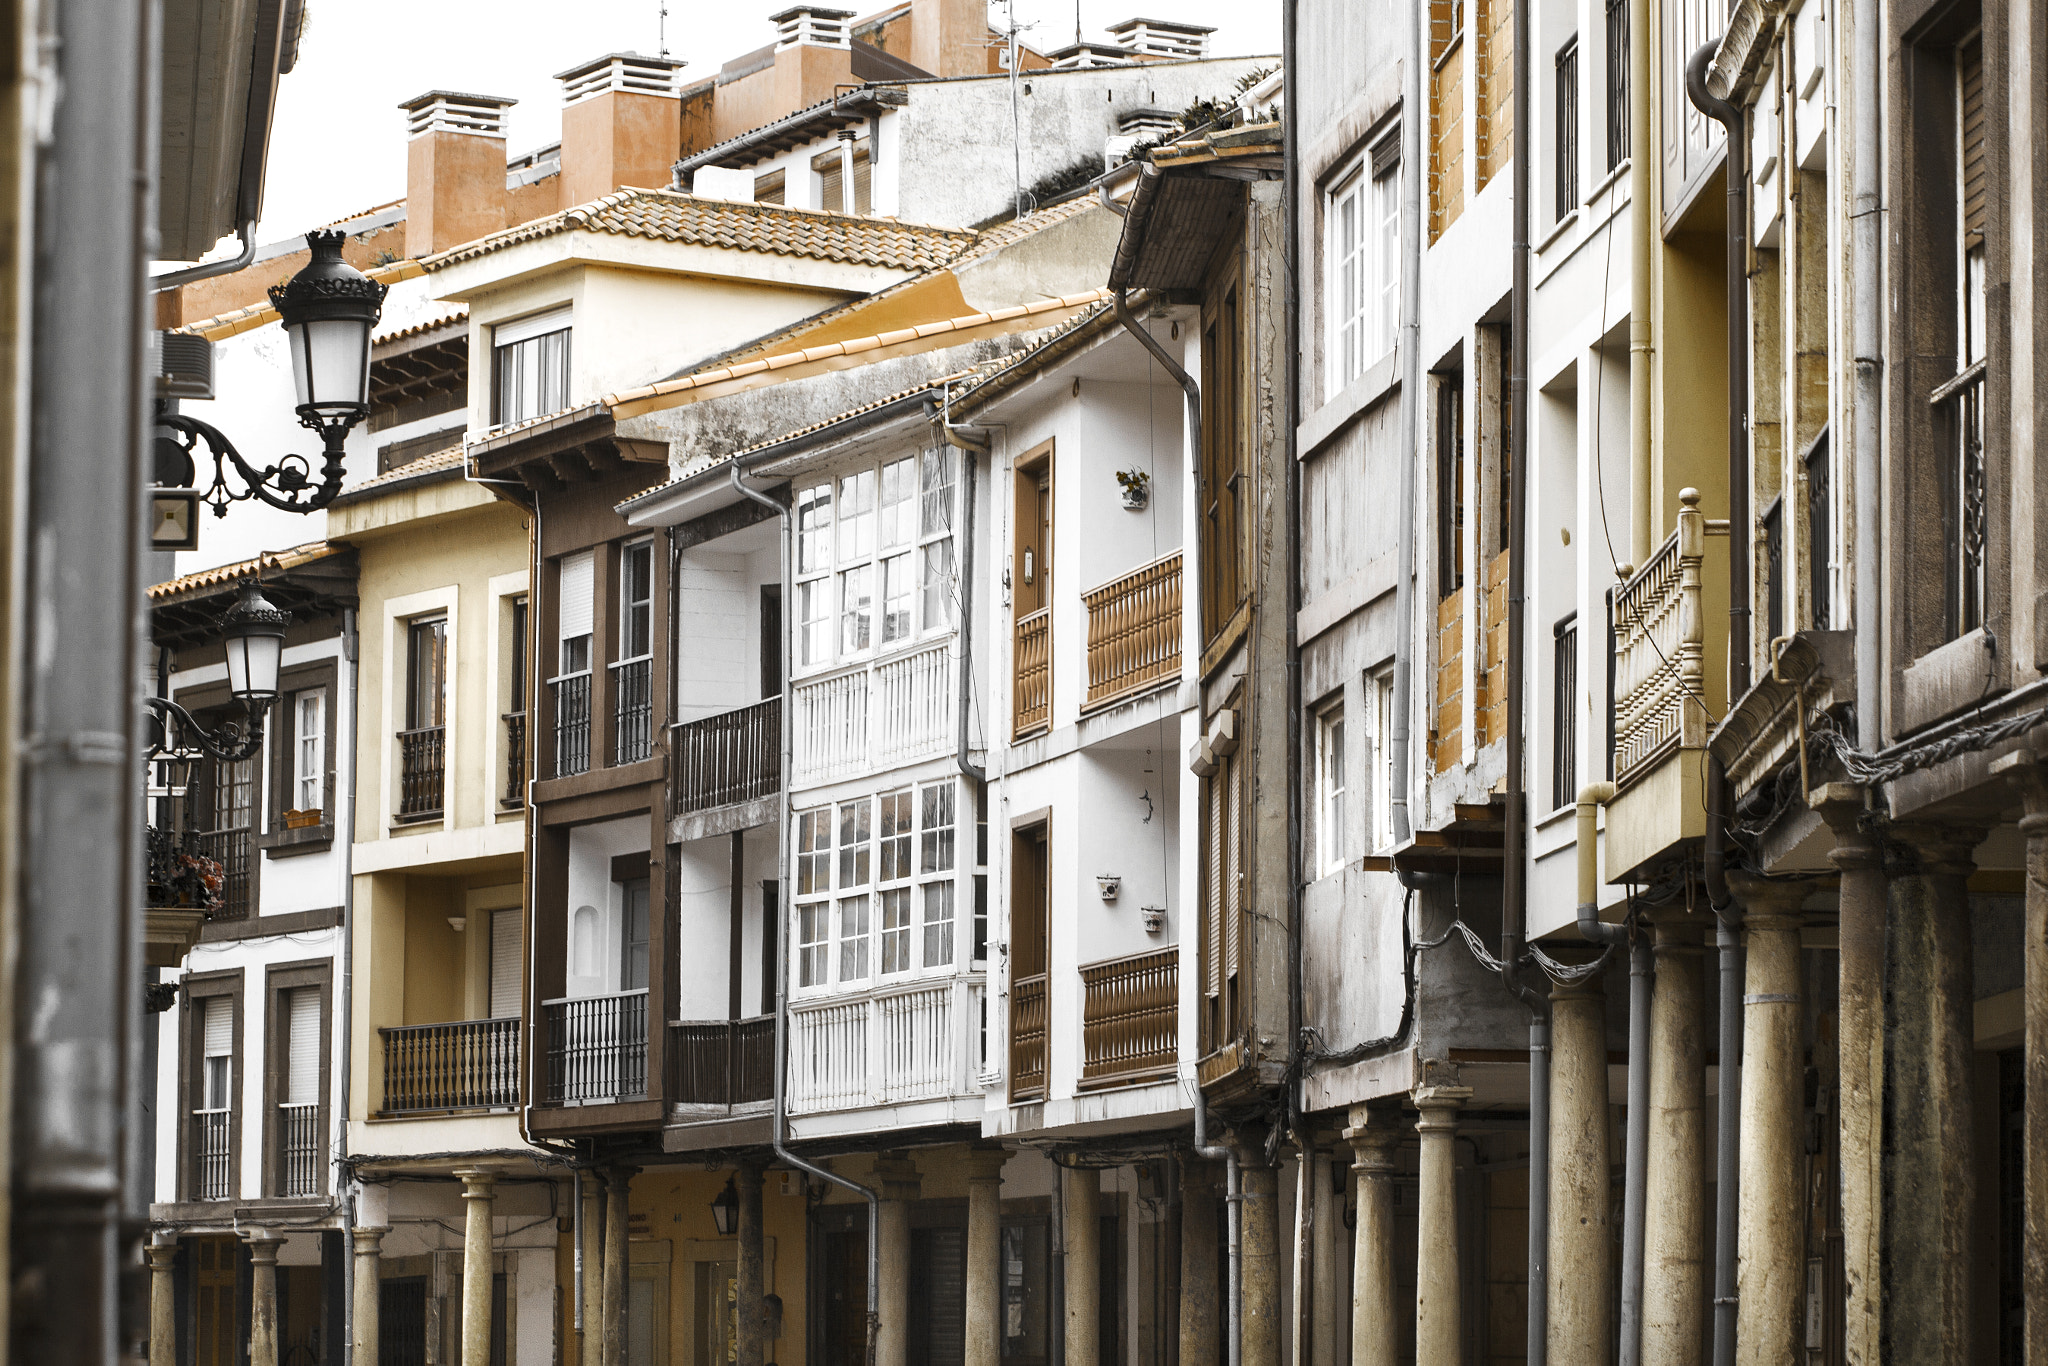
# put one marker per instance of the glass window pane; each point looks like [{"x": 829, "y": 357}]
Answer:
[
  {"x": 857, "y": 517},
  {"x": 814, "y": 530},
  {"x": 814, "y": 852},
  {"x": 899, "y": 503},
  {"x": 897, "y": 590},
  {"x": 938, "y": 924},
  {"x": 896, "y": 931},
  {"x": 854, "y": 830},
  {"x": 939, "y": 590},
  {"x": 937, "y": 481},
  {"x": 937, "y": 840},
  {"x": 896, "y": 817},
  {"x": 814, "y": 620},
  {"x": 853, "y": 938},
  {"x": 856, "y": 609}
]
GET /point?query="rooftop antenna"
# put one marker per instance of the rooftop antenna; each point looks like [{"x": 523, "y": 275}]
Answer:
[
  {"x": 1016, "y": 112},
  {"x": 662, "y": 30},
  {"x": 1077, "y": 23}
]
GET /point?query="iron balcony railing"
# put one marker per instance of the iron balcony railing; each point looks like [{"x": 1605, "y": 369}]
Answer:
[
  {"x": 1617, "y": 83},
  {"x": 515, "y": 759},
  {"x": 596, "y": 1048},
  {"x": 1959, "y": 421},
  {"x": 735, "y": 756},
  {"x": 463, "y": 1065},
  {"x": 1567, "y": 129},
  {"x": 230, "y": 849},
  {"x": 422, "y": 768},
  {"x": 1564, "y": 714},
  {"x": 633, "y": 710},
  {"x": 1130, "y": 1019},
  {"x": 212, "y": 1152},
  {"x": 721, "y": 1062},
  {"x": 572, "y": 725},
  {"x": 1819, "y": 531},
  {"x": 299, "y": 1150},
  {"x": 1773, "y": 536}
]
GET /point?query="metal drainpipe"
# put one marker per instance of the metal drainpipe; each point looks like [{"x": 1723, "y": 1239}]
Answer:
[
  {"x": 1636, "y": 1143},
  {"x": 1233, "y": 1200},
  {"x": 351, "y": 641},
  {"x": 173, "y": 279},
  {"x": 1866, "y": 304},
  {"x": 1409, "y": 347},
  {"x": 1728, "y": 915},
  {"x": 776, "y": 1131}
]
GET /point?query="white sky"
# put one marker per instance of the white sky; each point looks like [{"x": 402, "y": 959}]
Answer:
[{"x": 338, "y": 144}]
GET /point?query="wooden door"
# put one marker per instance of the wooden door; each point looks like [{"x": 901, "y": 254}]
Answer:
[
  {"x": 402, "y": 1321},
  {"x": 1031, "y": 573},
  {"x": 1030, "y": 959},
  {"x": 938, "y": 1287},
  {"x": 216, "y": 1318},
  {"x": 846, "y": 1297}
]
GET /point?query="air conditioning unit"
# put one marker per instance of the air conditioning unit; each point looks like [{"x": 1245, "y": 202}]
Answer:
[{"x": 184, "y": 366}]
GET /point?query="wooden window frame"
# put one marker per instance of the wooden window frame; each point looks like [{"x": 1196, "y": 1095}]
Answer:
[
  {"x": 279, "y": 981},
  {"x": 275, "y": 840},
  {"x": 1226, "y": 473},
  {"x": 197, "y": 988}
]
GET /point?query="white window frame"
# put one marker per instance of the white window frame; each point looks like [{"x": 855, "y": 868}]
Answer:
[
  {"x": 1330, "y": 787},
  {"x": 844, "y": 599},
  {"x": 628, "y": 604},
  {"x": 309, "y": 750},
  {"x": 528, "y": 333},
  {"x": 1379, "y": 692},
  {"x": 1362, "y": 266},
  {"x": 843, "y": 941}
]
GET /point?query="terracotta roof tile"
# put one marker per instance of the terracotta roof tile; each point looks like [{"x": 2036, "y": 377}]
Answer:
[
  {"x": 669, "y": 216},
  {"x": 269, "y": 562}
]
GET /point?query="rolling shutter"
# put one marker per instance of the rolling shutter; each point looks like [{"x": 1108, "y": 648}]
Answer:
[
  {"x": 302, "y": 1080},
  {"x": 1212, "y": 891},
  {"x": 574, "y": 607},
  {"x": 220, "y": 1027},
  {"x": 1975, "y": 188},
  {"x": 1233, "y": 864},
  {"x": 505, "y": 943}
]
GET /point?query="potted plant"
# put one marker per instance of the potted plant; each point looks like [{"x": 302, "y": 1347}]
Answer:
[{"x": 1137, "y": 487}]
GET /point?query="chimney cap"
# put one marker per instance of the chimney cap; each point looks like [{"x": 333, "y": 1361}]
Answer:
[
  {"x": 457, "y": 97},
  {"x": 452, "y": 111},
  {"x": 627, "y": 58},
  {"x": 811, "y": 26},
  {"x": 1163, "y": 25},
  {"x": 630, "y": 72},
  {"x": 816, "y": 11}
]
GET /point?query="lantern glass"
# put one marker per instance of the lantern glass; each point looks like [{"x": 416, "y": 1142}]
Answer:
[
  {"x": 252, "y": 667},
  {"x": 725, "y": 1210},
  {"x": 331, "y": 364}
]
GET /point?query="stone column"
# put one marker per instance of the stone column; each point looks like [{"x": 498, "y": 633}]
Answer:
[
  {"x": 618, "y": 1184},
  {"x": 2034, "y": 1075},
  {"x": 1329, "y": 1293},
  {"x": 1203, "y": 1320},
  {"x": 751, "y": 1314},
  {"x": 1929, "y": 1180},
  {"x": 368, "y": 1303},
  {"x": 163, "y": 1304},
  {"x": 1674, "y": 1252},
  {"x": 1439, "y": 1322},
  {"x": 593, "y": 1269},
  {"x": 984, "y": 1255},
  {"x": 1259, "y": 1253},
  {"x": 1083, "y": 1283},
  {"x": 898, "y": 1178},
  {"x": 1581, "y": 1288},
  {"x": 479, "y": 1187},
  {"x": 1375, "y": 1333},
  {"x": 1770, "y": 1275},
  {"x": 263, "y": 1249},
  {"x": 1860, "y": 1038}
]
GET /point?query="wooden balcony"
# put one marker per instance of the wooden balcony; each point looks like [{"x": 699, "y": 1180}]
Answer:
[
  {"x": 723, "y": 760},
  {"x": 1031, "y": 697},
  {"x": 721, "y": 1062},
  {"x": 1030, "y": 1011},
  {"x": 596, "y": 1049},
  {"x": 892, "y": 1046},
  {"x": 1130, "y": 1019},
  {"x": 1134, "y": 631},
  {"x": 422, "y": 765},
  {"x": 462, "y": 1065},
  {"x": 1663, "y": 692},
  {"x": 895, "y": 711}
]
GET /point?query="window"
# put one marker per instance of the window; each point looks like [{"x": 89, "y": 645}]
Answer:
[
  {"x": 1224, "y": 477},
  {"x": 507, "y": 937},
  {"x": 210, "y": 1138},
  {"x": 1330, "y": 788},
  {"x": 530, "y": 368},
  {"x": 574, "y": 618},
  {"x": 309, "y": 749},
  {"x": 1567, "y": 129},
  {"x": 1617, "y": 83},
  {"x": 1222, "y": 899},
  {"x": 422, "y": 744},
  {"x": 1380, "y": 698},
  {"x": 1364, "y": 262},
  {"x": 298, "y": 1152},
  {"x": 831, "y": 171},
  {"x": 515, "y": 714},
  {"x": 633, "y": 929},
  {"x": 875, "y": 558},
  {"x": 227, "y": 815},
  {"x": 633, "y": 674},
  {"x": 875, "y": 893},
  {"x": 768, "y": 187},
  {"x": 1450, "y": 483}
]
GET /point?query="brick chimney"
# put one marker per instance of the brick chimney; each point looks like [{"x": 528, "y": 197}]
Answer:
[
  {"x": 1162, "y": 39},
  {"x": 455, "y": 169},
  {"x": 950, "y": 37},
  {"x": 621, "y": 124},
  {"x": 813, "y": 56}
]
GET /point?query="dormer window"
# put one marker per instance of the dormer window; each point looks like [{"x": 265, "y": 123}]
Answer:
[{"x": 530, "y": 368}]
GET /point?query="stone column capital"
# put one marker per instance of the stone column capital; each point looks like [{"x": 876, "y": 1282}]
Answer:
[
  {"x": 1770, "y": 903},
  {"x": 1439, "y": 1106},
  {"x": 985, "y": 1163},
  {"x": 263, "y": 1246},
  {"x": 620, "y": 1177},
  {"x": 1944, "y": 850},
  {"x": 1373, "y": 1147},
  {"x": 369, "y": 1239},
  {"x": 1848, "y": 815},
  {"x": 163, "y": 1257},
  {"x": 478, "y": 1183},
  {"x": 898, "y": 1176},
  {"x": 1584, "y": 989},
  {"x": 749, "y": 1176},
  {"x": 1678, "y": 936}
]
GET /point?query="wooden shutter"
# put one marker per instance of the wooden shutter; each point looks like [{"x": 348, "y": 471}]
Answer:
[
  {"x": 505, "y": 946},
  {"x": 831, "y": 180},
  {"x": 573, "y": 608},
  {"x": 302, "y": 1063},
  {"x": 768, "y": 188},
  {"x": 863, "y": 183},
  {"x": 1975, "y": 189},
  {"x": 1212, "y": 890},
  {"x": 1233, "y": 863}
]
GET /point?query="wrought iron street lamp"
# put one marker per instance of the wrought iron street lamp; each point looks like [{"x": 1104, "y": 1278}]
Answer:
[
  {"x": 329, "y": 310},
  {"x": 725, "y": 1210},
  {"x": 253, "y": 633}
]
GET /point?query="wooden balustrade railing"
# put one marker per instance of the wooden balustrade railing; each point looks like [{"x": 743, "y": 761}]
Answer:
[
  {"x": 735, "y": 756},
  {"x": 1032, "y": 694},
  {"x": 461, "y": 1065},
  {"x": 1659, "y": 651},
  {"x": 1134, "y": 630},
  {"x": 721, "y": 1062},
  {"x": 1130, "y": 1018},
  {"x": 1030, "y": 1013}
]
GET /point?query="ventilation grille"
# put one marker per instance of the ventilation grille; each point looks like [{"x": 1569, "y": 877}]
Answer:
[{"x": 184, "y": 366}]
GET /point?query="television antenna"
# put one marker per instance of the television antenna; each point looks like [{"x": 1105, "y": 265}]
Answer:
[{"x": 662, "y": 28}]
